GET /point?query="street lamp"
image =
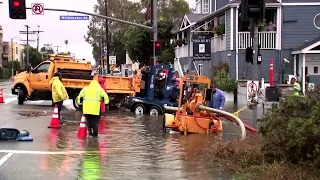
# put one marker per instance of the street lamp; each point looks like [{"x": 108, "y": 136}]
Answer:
[{"x": 12, "y": 55}]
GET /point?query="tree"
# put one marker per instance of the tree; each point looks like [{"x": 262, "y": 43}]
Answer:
[
  {"x": 139, "y": 45},
  {"x": 120, "y": 9},
  {"x": 16, "y": 65},
  {"x": 171, "y": 10},
  {"x": 64, "y": 53},
  {"x": 35, "y": 57}
]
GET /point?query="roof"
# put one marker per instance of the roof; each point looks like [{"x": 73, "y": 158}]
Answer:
[
  {"x": 267, "y": 1},
  {"x": 193, "y": 17},
  {"x": 306, "y": 47}
]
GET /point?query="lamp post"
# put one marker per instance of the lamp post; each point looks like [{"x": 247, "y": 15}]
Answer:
[{"x": 12, "y": 55}]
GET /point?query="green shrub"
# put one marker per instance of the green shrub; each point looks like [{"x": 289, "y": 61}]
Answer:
[
  {"x": 223, "y": 79},
  {"x": 291, "y": 130}
]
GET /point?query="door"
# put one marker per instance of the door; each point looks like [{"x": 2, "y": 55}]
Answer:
[{"x": 40, "y": 77}]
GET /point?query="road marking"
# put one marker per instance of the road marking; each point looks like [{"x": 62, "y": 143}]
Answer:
[
  {"x": 9, "y": 100},
  {"x": 51, "y": 152},
  {"x": 5, "y": 158}
]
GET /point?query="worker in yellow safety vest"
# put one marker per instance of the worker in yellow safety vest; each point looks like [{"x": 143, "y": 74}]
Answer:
[
  {"x": 90, "y": 96},
  {"x": 296, "y": 86}
]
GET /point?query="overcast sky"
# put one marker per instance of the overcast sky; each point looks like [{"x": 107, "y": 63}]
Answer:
[{"x": 55, "y": 30}]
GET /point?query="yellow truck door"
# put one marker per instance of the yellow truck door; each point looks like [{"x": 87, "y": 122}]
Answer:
[{"x": 40, "y": 76}]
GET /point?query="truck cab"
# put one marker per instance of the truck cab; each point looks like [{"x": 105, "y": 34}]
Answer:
[{"x": 34, "y": 83}]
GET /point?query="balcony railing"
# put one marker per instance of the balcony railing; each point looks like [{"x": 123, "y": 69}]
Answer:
[
  {"x": 181, "y": 51},
  {"x": 267, "y": 40},
  {"x": 218, "y": 43}
]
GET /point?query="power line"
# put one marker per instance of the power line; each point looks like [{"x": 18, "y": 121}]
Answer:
[{"x": 57, "y": 49}]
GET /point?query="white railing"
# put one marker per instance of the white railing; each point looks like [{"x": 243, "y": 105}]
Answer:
[
  {"x": 218, "y": 43},
  {"x": 181, "y": 51},
  {"x": 267, "y": 40}
]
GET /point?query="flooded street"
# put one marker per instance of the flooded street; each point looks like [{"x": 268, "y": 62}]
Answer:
[{"x": 128, "y": 147}]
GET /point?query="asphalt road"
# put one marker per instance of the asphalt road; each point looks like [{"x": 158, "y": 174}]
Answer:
[
  {"x": 128, "y": 147},
  {"x": 33, "y": 160}
]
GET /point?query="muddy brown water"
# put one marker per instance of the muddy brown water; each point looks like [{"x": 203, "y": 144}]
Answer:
[{"x": 132, "y": 147}]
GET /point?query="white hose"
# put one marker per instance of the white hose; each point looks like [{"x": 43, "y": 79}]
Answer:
[
  {"x": 243, "y": 129},
  {"x": 170, "y": 108}
]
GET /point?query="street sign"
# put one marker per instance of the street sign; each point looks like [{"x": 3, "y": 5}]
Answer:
[
  {"x": 252, "y": 88},
  {"x": 74, "y": 17},
  {"x": 202, "y": 47},
  {"x": 112, "y": 60},
  {"x": 37, "y": 8}
]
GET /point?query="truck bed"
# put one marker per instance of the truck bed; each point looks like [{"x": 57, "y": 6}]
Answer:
[
  {"x": 114, "y": 84},
  {"x": 76, "y": 74}
]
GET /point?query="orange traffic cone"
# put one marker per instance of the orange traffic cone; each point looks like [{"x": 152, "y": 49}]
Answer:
[
  {"x": 55, "y": 119},
  {"x": 82, "y": 132},
  {"x": 1, "y": 96}
]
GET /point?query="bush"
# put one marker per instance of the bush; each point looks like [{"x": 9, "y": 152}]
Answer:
[
  {"x": 291, "y": 130},
  {"x": 223, "y": 79},
  {"x": 246, "y": 160}
]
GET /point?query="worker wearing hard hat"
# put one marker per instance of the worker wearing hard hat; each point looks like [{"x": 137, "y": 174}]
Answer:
[
  {"x": 90, "y": 96},
  {"x": 296, "y": 86}
]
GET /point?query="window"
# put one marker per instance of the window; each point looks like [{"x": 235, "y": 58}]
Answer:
[
  {"x": 200, "y": 69},
  {"x": 42, "y": 68},
  {"x": 17, "y": 50},
  {"x": 205, "y": 6},
  {"x": 315, "y": 70}
]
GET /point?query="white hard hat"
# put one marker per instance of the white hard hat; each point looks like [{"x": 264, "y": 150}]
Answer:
[{"x": 293, "y": 77}]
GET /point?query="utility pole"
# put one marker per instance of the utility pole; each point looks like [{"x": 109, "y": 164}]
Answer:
[
  {"x": 57, "y": 49},
  {"x": 107, "y": 37},
  {"x": 155, "y": 29}
]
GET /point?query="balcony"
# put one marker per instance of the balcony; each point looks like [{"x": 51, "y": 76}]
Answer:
[
  {"x": 218, "y": 43},
  {"x": 181, "y": 51},
  {"x": 267, "y": 40}
]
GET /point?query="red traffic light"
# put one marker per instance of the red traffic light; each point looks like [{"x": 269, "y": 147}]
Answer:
[
  {"x": 16, "y": 3},
  {"x": 157, "y": 44}
]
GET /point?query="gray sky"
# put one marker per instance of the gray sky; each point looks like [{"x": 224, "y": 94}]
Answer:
[{"x": 55, "y": 30}]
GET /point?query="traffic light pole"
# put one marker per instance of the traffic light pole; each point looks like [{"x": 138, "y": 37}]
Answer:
[
  {"x": 255, "y": 67},
  {"x": 155, "y": 30},
  {"x": 98, "y": 15}
]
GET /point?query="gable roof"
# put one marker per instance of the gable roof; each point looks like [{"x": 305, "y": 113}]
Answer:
[
  {"x": 306, "y": 47},
  {"x": 188, "y": 19}
]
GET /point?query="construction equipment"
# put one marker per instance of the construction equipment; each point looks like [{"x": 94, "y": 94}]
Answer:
[
  {"x": 154, "y": 91},
  {"x": 192, "y": 115},
  {"x": 34, "y": 83}
]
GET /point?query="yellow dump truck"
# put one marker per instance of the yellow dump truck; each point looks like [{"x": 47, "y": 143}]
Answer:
[{"x": 34, "y": 84}]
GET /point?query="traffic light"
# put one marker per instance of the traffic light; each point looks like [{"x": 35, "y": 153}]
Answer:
[
  {"x": 17, "y": 9},
  {"x": 256, "y": 8},
  {"x": 249, "y": 55},
  {"x": 158, "y": 48}
]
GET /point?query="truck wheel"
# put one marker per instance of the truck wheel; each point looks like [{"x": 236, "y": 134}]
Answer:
[
  {"x": 154, "y": 111},
  {"x": 139, "y": 109},
  {"x": 75, "y": 103},
  {"x": 21, "y": 97}
]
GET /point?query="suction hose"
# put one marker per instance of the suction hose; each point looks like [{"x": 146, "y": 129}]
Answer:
[
  {"x": 242, "y": 127},
  {"x": 170, "y": 108}
]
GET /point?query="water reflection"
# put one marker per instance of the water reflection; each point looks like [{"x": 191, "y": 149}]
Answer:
[{"x": 129, "y": 147}]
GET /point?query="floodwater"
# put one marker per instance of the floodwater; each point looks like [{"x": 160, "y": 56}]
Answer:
[
  {"x": 131, "y": 147},
  {"x": 128, "y": 147}
]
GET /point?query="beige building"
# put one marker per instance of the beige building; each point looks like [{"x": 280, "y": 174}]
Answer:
[
  {"x": 16, "y": 52},
  {"x": 1, "y": 45}
]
